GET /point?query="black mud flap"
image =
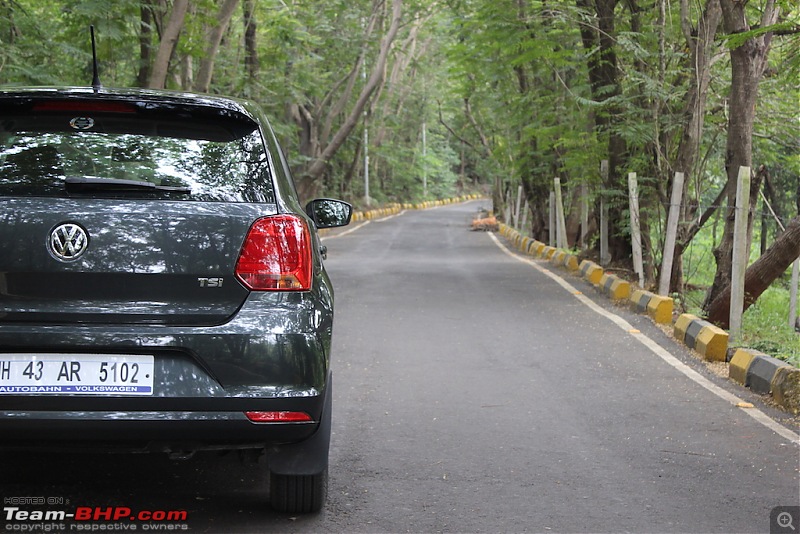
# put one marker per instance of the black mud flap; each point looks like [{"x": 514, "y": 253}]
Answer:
[{"x": 308, "y": 457}]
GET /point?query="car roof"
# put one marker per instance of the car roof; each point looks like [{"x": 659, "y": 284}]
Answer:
[{"x": 152, "y": 98}]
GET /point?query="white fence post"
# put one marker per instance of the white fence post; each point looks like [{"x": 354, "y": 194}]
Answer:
[
  {"x": 584, "y": 214},
  {"x": 524, "y": 224},
  {"x": 507, "y": 213},
  {"x": 561, "y": 225},
  {"x": 636, "y": 232},
  {"x": 552, "y": 215},
  {"x": 516, "y": 211},
  {"x": 604, "y": 255},
  {"x": 793, "y": 312},
  {"x": 740, "y": 252},
  {"x": 672, "y": 233}
]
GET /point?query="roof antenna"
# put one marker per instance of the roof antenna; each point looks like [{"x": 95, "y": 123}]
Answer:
[{"x": 96, "y": 85}]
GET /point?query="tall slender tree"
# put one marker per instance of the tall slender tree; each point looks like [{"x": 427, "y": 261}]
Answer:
[
  {"x": 214, "y": 35},
  {"x": 700, "y": 38},
  {"x": 169, "y": 39},
  {"x": 748, "y": 62},
  {"x": 328, "y": 147},
  {"x": 599, "y": 40}
]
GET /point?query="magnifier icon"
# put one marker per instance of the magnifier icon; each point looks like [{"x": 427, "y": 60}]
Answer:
[{"x": 785, "y": 520}]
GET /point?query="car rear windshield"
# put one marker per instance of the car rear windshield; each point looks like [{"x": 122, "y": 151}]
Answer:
[{"x": 52, "y": 152}]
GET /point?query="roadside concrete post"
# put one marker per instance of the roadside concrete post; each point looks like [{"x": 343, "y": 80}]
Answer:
[
  {"x": 604, "y": 256},
  {"x": 584, "y": 214},
  {"x": 672, "y": 232},
  {"x": 636, "y": 232},
  {"x": 561, "y": 225},
  {"x": 524, "y": 224},
  {"x": 552, "y": 216},
  {"x": 507, "y": 211},
  {"x": 793, "y": 311},
  {"x": 740, "y": 252}
]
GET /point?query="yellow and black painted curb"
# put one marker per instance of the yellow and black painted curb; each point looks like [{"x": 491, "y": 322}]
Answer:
[
  {"x": 767, "y": 375},
  {"x": 394, "y": 209},
  {"x": 565, "y": 259},
  {"x": 658, "y": 307},
  {"x": 591, "y": 272},
  {"x": 614, "y": 287},
  {"x": 761, "y": 373},
  {"x": 709, "y": 340}
]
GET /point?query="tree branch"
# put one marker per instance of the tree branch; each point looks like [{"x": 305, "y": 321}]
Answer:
[{"x": 452, "y": 132}]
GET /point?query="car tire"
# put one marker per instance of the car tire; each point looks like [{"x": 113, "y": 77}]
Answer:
[{"x": 298, "y": 494}]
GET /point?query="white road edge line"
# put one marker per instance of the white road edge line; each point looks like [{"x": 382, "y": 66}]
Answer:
[
  {"x": 348, "y": 231},
  {"x": 353, "y": 229},
  {"x": 389, "y": 217},
  {"x": 665, "y": 355}
]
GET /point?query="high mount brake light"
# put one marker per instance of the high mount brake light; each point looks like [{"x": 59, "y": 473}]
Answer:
[
  {"x": 278, "y": 417},
  {"x": 78, "y": 105},
  {"x": 276, "y": 255}
]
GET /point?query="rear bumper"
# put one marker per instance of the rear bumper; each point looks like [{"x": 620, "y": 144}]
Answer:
[
  {"x": 209, "y": 427},
  {"x": 148, "y": 436}
]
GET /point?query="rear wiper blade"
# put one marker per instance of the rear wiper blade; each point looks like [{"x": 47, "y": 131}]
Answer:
[{"x": 87, "y": 183}]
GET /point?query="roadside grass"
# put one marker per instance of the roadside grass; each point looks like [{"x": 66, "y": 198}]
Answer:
[{"x": 765, "y": 325}]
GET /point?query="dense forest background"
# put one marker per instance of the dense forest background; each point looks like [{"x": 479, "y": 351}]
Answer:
[{"x": 436, "y": 98}]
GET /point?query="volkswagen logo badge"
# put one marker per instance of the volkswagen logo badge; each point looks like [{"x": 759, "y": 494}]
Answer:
[{"x": 68, "y": 242}]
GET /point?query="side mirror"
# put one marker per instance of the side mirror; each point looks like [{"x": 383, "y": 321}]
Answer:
[{"x": 329, "y": 213}]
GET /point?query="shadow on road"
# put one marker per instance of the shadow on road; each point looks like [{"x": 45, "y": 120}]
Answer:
[{"x": 217, "y": 492}]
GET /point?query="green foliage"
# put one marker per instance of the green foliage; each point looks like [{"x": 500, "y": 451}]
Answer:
[
  {"x": 765, "y": 326},
  {"x": 738, "y": 39}
]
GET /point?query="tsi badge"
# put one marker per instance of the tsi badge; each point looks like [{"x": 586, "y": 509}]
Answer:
[{"x": 210, "y": 282}]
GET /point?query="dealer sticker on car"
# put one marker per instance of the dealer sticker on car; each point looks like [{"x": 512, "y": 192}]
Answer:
[{"x": 76, "y": 374}]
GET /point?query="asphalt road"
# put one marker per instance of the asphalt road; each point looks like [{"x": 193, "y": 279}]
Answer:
[{"x": 473, "y": 393}]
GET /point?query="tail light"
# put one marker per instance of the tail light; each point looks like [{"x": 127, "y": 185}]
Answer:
[
  {"x": 276, "y": 255},
  {"x": 278, "y": 417}
]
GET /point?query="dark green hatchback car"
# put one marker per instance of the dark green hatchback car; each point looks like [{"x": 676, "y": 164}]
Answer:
[{"x": 161, "y": 286}]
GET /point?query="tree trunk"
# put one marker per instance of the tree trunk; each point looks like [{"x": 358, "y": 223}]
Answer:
[
  {"x": 250, "y": 49},
  {"x": 145, "y": 43},
  {"x": 307, "y": 186},
  {"x": 313, "y": 129},
  {"x": 7, "y": 13},
  {"x": 700, "y": 40},
  {"x": 748, "y": 62},
  {"x": 497, "y": 188},
  {"x": 408, "y": 54},
  {"x": 759, "y": 276},
  {"x": 701, "y": 43},
  {"x": 169, "y": 39},
  {"x": 605, "y": 85},
  {"x": 213, "y": 39}
]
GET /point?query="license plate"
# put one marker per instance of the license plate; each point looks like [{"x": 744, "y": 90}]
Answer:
[{"x": 76, "y": 374}]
